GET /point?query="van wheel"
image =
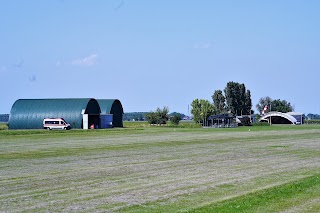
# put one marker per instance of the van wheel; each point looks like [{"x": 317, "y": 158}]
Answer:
[
  {"x": 65, "y": 128},
  {"x": 48, "y": 128}
]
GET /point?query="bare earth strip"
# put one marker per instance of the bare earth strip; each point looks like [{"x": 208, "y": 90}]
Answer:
[{"x": 182, "y": 169}]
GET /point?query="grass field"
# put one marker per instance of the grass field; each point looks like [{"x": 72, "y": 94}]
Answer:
[{"x": 161, "y": 169}]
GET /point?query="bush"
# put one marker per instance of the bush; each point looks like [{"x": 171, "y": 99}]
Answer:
[
  {"x": 312, "y": 121},
  {"x": 246, "y": 121},
  {"x": 160, "y": 116},
  {"x": 261, "y": 124},
  {"x": 175, "y": 119},
  {"x": 152, "y": 118},
  {"x": 3, "y": 126}
]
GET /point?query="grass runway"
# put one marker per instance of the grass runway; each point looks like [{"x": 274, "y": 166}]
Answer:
[{"x": 161, "y": 169}]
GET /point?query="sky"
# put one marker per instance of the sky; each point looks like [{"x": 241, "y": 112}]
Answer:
[{"x": 151, "y": 54}]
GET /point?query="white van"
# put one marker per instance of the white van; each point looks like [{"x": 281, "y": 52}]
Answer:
[{"x": 55, "y": 123}]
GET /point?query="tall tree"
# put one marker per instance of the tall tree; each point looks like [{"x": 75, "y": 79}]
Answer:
[
  {"x": 196, "y": 110},
  {"x": 248, "y": 103},
  {"x": 238, "y": 99},
  {"x": 201, "y": 110},
  {"x": 219, "y": 101},
  {"x": 232, "y": 95},
  {"x": 242, "y": 99}
]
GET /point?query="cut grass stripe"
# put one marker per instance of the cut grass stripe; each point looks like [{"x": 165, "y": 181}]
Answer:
[{"x": 274, "y": 199}]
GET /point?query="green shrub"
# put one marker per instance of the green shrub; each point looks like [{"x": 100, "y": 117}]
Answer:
[
  {"x": 160, "y": 116},
  {"x": 3, "y": 126},
  {"x": 261, "y": 124},
  {"x": 246, "y": 121},
  {"x": 312, "y": 121},
  {"x": 175, "y": 119}
]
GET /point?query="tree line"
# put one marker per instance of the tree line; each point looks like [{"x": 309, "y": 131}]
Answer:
[
  {"x": 234, "y": 100},
  {"x": 274, "y": 105}
]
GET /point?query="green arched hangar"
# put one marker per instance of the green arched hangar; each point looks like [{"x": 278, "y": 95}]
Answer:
[{"x": 80, "y": 113}]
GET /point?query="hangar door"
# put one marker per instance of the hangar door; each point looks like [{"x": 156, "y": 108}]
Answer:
[{"x": 91, "y": 115}]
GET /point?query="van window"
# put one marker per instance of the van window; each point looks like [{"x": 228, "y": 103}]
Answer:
[{"x": 52, "y": 122}]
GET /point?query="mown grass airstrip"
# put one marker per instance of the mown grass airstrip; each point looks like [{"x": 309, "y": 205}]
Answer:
[
  {"x": 161, "y": 169},
  {"x": 284, "y": 197}
]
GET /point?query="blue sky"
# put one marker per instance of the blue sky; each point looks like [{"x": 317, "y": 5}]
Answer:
[{"x": 152, "y": 54}]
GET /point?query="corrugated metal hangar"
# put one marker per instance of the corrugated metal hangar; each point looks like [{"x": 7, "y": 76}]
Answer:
[{"x": 78, "y": 112}]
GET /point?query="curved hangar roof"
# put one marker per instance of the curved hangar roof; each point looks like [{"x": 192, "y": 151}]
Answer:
[
  {"x": 29, "y": 113},
  {"x": 281, "y": 118},
  {"x": 112, "y": 106}
]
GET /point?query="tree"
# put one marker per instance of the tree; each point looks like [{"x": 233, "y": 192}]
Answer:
[
  {"x": 163, "y": 115},
  {"x": 175, "y": 119},
  {"x": 232, "y": 95},
  {"x": 281, "y": 106},
  {"x": 248, "y": 103},
  {"x": 181, "y": 115},
  {"x": 265, "y": 101},
  {"x": 274, "y": 105},
  {"x": 238, "y": 99},
  {"x": 313, "y": 116},
  {"x": 152, "y": 118},
  {"x": 242, "y": 99},
  {"x": 160, "y": 116},
  {"x": 196, "y": 110},
  {"x": 201, "y": 110},
  {"x": 219, "y": 101}
]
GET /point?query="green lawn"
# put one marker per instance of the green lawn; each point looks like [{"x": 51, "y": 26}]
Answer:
[{"x": 142, "y": 168}]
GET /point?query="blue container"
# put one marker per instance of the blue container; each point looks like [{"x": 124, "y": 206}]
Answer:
[{"x": 106, "y": 121}]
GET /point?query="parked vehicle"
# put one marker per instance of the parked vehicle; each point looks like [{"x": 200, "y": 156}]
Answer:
[{"x": 55, "y": 123}]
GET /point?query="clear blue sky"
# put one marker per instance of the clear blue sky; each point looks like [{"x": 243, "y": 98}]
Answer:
[{"x": 159, "y": 53}]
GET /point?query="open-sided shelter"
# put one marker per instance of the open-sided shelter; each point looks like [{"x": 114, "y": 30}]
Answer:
[{"x": 222, "y": 120}]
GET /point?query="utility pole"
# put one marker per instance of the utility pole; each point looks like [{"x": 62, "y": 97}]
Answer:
[{"x": 270, "y": 115}]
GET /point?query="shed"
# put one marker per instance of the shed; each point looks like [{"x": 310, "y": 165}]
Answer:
[
  {"x": 29, "y": 113},
  {"x": 113, "y": 107}
]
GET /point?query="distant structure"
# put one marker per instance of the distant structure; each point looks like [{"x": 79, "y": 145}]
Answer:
[
  {"x": 134, "y": 116},
  {"x": 81, "y": 113},
  {"x": 221, "y": 121},
  {"x": 283, "y": 118},
  {"x": 4, "y": 118}
]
